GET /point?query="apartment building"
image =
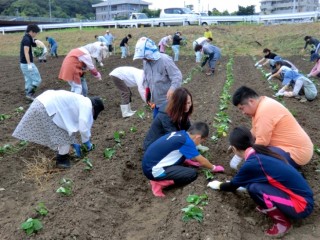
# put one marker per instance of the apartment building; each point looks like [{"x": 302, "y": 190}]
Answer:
[
  {"x": 111, "y": 9},
  {"x": 288, "y": 6}
]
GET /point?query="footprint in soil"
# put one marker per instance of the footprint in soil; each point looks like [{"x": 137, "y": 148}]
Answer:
[{"x": 131, "y": 165}]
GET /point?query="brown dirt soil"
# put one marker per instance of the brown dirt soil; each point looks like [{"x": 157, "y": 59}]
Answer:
[{"x": 114, "y": 200}]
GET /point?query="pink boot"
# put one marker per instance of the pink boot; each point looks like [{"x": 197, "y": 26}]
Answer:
[
  {"x": 157, "y": 187},
  {"x": 281, "y": 224},
  {"x": 190, "y": 162}
]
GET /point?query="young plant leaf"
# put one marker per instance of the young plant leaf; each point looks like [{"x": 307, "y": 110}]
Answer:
[
  {"x": 109, "y": 152},
  {"x": 41, "y": 209}
]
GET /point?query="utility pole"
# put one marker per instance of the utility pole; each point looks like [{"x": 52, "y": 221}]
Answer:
[
  {"x": 50, "y": 10},
  {"x": 294, "y": 6}
]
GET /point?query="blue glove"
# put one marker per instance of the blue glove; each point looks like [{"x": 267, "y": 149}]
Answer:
[
  {"x": 88, "y": 145},
  {"x": 77, "y": 149}
]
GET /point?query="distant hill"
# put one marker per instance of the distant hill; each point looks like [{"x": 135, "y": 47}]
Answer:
[{"x": 81, "y": 9}]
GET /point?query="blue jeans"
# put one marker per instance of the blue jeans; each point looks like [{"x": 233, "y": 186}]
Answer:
[
  {"x": 81, "y": 89},
  {"x": 31, "y": 77},
  {"x": 54, "y": 49},
  {"x": 123, "y": 52},
  {"x": 155, "y": 112},
  {"x": 176, "y": 50}
]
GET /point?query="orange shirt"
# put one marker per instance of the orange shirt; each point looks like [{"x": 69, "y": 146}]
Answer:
[{"x": 274, "y": 125}]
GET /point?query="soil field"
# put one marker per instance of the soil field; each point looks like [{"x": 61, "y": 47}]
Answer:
[{"x": 114, "y": 200}]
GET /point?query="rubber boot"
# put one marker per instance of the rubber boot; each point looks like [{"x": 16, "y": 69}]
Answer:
[
  {"x": 63, "y": 161},
  {"x": 281, "y": 223},
  {"x": 157, "y": 187},
  {"x": 130, "y": 110},
  {"x": 125, "y": 110}
]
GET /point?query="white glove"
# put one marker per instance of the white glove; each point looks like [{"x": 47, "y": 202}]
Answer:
[
  {"x": 280, "y": 93},
  {"x": 309, "y": 75},
  {"x": 235, "y": 161},
  {"x": 269, "y": 78},
  {"x": 268, "y": 74},
  {"x": 241, "y": 189},
  {"x": 202, "y": 148},
  {"x": 214, "y": 185},
  {"x": 256, "y": 65},
  {"x": 29, "y": 66},
  {"x": 259, "y": 66},
  {"x": 101, "y": 64}
]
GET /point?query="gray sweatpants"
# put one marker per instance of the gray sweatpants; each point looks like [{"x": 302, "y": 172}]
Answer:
[{"x": 124, "y": 90}]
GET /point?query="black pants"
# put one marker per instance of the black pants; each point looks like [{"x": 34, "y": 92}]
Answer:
[{"x": 180, "y": 175}]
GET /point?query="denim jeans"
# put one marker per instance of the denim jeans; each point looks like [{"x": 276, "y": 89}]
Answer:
[
  {"x": 31, "y": 77},
  {"x": 176, "y": 50},
  {"x": 123, "y": 52},
  {"x": 54, "y": 49},
  {"x": 79, "y": 88}
]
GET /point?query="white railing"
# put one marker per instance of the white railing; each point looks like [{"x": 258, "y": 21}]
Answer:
[{"x": 167, "y": 21}]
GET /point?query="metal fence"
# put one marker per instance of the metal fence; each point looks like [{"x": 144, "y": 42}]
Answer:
[{"x": 258, "y": 19}]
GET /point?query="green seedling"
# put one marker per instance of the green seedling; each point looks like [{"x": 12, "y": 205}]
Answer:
[
  {"x": 133, "y": 129},
  {"x": 317, "y": 150},
  {"x": 31, "y": 226},
  {"x": 41, "y": 209},
  {"x": 192, "y": 212},
  {"x": 88, "y": 163},
  {"x": 85, "y": 150},
  {"x": 222, "y": 130},
  {"x": 4, "y": 117},
  {"x": 141, "y": 114},
  {"x": 23, "y": 143},
  {"x": 19, "y": 109},
  {"x": 117, "y": 135},
  {"x": 208, "y": 174},
  {"x": 6, "y": 148},
  {"x": 66, "y": 188},
  {"x": 109, "y": 152},
  {"x": 198, "y": 199},
  {"x": 215, "y": 138}
]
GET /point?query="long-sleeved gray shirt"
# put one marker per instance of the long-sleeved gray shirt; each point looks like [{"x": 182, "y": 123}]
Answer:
[{"x": 160, "y": 76}]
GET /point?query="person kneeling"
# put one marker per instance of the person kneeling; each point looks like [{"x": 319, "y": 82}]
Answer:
[
  {"x": 278, "y": 189},
  {"x": 162, "y": 162}
]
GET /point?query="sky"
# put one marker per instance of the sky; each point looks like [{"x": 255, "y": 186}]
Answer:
[{"x": 203, "y": 5}]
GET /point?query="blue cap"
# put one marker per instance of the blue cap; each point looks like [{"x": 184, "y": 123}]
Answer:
[{"x": 289, "y": 76}]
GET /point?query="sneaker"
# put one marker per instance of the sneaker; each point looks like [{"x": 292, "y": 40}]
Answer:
[
  {"x": 303, "y": 100},
  {"x": 30, "y": 97}
]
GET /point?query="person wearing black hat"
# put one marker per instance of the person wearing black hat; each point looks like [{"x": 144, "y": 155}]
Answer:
[{"x": 54, "y": 118}]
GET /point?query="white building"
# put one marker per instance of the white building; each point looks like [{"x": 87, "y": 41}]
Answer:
[
  {"x": 111, "y": 9},
  {"x": 288, "y": 6}
]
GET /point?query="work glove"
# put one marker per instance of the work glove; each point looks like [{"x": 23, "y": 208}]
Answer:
[
  {"x": 98, "y": 76},
  {"x": 202, "y": 148},
  {"x": 235, "y": 161},
  {"x": 309, "y": 75},
  {"x": 77, "y": 149},
  {"x": 280, "y": 93},
  {"x": 215, "y": 185},
  {"x": 268, "y": 74},
  {"x": 190, "y": 162},
  {"x": 259, "y": 66},
  {"x": 256, "y": 64},
  {"x": 88, "y": 145},
  {"x": 148, "y": 95},
  {"x": 29, "y": 66},
  {"x": 101, "y": 64},
  {"x": 217, "y": 169},
  {"x": 269, "y": 78}
]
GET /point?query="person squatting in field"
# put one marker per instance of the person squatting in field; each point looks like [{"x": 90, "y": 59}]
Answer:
[
  {"x": 213, "y": 55},
  {"x": 163, "y": 161},
  {"x": 315, "y": 71},
  {"x": 32, "y": 78},
  {"x": 267, "y": 59},
  {"x": 78, "y": 62},
  {"x": 124, "y": 78},
  {"x": 174, "y": 115},
  {"x": 281, "y": 66},
  {"x": 53, "y": 46},
  {"x": 54, "y": 118},
  {"x": 273, "y": 125},
  {"x": 279, "y": 190},
  {"x": 42, "y": 55},
  {"x": 161, "y": 75},
  {"x": 200, "y": 41},
  {"x": 314, "y": 43},
  {"x": 164, "y": 42},
  {"x": 301, "y": 86}
]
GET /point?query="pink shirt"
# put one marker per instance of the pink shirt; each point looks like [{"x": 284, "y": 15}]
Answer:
[
  {"x": 274, "y": 125},
  {"x": 316, "y": 69}
]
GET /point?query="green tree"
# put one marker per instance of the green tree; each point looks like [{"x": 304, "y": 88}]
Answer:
[
  {"x": 246, "y": 10},
  {"x": 151, "y": 13}
]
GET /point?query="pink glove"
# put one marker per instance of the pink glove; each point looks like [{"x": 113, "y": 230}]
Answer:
[
  {"x": 98, "y": 76},
  {"x": 217, "y": 169},
  {"x": 190, "y": 162}
]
